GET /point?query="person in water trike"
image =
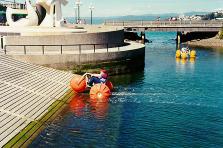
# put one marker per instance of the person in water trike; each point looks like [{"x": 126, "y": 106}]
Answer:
[{"x": 96, "y": 78}]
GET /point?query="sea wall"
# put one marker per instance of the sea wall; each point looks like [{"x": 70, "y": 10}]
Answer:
[
  {"x": 214, "y": 42},
  {"x": 133, "y": 52}
]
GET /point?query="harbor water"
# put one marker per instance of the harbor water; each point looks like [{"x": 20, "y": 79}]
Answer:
[{"x": 172, "y": 103}]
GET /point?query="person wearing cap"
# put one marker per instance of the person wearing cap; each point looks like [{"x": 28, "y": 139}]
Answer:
[{"x": 96, "y": 78}]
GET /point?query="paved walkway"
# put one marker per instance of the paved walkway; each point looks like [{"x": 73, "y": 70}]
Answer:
[
  {"x": 26, "y": 92},
  {"x": 37, "y": 30}
]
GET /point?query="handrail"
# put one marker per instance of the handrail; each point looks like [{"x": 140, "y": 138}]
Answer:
[
  {"x": 107, "y": 45},
  {"x": 202, "y": 23}
]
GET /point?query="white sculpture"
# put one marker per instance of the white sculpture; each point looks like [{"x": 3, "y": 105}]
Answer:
[
  {"x": 30, "y": 20},
  {"x": 48, "y": 13},
  {"x": 52, "y": 18}
]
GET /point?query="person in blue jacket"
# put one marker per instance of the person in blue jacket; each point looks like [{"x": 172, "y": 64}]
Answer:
[{"x": 96, "y": 78}]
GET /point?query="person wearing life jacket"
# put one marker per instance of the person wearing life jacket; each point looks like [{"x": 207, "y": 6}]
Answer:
[{"x": 96, "y": 78}]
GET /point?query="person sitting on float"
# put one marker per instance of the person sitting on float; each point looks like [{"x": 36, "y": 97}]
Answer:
[{"x": 96, "y": 78}]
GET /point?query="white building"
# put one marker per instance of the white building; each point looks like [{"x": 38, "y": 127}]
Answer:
[
  {"x": 187, "y": 18},
  {"x": 219, "y": 11}
]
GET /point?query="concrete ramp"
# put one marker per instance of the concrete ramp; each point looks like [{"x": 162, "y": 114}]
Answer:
[{"x": 26, "y": 93}]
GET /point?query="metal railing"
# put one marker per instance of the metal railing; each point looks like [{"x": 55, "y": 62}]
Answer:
[
  {"x": 190, "y": 23},
  {"x": 105, "y": 46}
]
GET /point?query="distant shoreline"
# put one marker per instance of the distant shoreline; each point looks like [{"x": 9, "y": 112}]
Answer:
[{"x": 214, "y": 42}]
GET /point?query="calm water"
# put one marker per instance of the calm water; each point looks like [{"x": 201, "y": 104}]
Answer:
[{"x": 171, "y": 104}]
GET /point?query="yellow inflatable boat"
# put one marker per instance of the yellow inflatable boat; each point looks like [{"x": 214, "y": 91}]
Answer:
[{"x": 185, "y": 53}]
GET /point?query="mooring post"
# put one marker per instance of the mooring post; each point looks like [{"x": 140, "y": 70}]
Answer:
[
  {"x": 143, "y": 37},
  {"x": 178, "y": 39}
]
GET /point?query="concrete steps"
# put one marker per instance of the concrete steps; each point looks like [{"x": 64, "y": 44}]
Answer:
[{"x": 26, "y": 93}]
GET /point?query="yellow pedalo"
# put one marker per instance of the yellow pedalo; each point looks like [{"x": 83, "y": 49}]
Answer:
[
  {"x": 178, "y": 53},
  {"x": 184, "y": 55},
  {"x": 192, "y": 54}
]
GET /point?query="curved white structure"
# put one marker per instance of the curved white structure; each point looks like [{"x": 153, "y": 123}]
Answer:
[{"x": 30, "y": 20}]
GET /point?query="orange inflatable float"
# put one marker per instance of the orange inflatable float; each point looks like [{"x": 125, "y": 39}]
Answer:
[
  {"x": 100, "y": 93},
  {"x": 78, "y": 84}
]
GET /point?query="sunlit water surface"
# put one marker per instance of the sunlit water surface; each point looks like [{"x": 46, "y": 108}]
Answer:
[{"x": 172, "y": 103}]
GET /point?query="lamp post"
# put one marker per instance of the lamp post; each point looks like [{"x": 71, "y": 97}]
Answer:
[
  {"x": 78, "y": 4},
  {"x": 91, "y": 7},
  {"x": 14, "y": 5},
  {"x": 75, "y": 8}
]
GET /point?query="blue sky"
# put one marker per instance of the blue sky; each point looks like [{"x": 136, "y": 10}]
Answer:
[{"x": 137, "y": 7}]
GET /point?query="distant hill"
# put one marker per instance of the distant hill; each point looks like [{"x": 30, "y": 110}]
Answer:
[
  {"x": 100, "y": 20},
  {"x": 195, "y": 13},
  {"x": 154, "y": 16}
]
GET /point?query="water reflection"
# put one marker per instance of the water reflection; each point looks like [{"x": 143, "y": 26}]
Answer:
[
  {"x": 128, "y": 79},
  {"x": 99, "y": 109},
  {"x": 184, "y": 65},
  {"x": 77, "y": 104},
  {"x": 192, "y": 60},
  {"x": 81, "y": 104}
]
